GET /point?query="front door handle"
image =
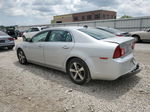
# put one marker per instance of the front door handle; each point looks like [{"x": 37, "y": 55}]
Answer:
[{"x": 66, "y": 47}]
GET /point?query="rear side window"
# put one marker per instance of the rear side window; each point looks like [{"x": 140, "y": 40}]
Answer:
[
  {"x": 60, "y": 36},
  {"x": 96, "y": 33}
]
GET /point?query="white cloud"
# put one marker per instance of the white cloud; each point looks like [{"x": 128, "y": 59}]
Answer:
[{"x": 41, "y": 11}]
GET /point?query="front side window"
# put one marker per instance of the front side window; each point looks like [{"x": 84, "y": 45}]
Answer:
[
  {"x": 60, "y": 36},
  {"x": 40, "y": 37},
  {"x": 96, "y": 33}
]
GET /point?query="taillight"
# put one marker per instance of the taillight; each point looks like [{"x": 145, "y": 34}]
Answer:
[
  {"x": 119, "y": 35},
  {"x": 119, "y": 52},
  {"x": 11, "y": 39}
]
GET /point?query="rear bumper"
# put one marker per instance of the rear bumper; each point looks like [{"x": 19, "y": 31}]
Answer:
[
  {"x": 7, "y": 44},
  {"x": 134, "y": 71},
  {"x": 114, "y": 68}
]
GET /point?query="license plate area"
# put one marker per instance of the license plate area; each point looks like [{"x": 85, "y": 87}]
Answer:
[{"x": 2, "y": 41}]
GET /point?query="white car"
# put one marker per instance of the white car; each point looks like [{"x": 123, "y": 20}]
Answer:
[
  {"x": 83, "y": 53},
  {"x": 141, "y": 35},
  {"x": 32, "y": 31}
]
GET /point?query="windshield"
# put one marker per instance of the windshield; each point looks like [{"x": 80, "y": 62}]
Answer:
[{"x": 96, "y": 33}]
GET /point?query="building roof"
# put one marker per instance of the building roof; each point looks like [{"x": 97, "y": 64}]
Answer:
[{"x": 85, "y": 12}]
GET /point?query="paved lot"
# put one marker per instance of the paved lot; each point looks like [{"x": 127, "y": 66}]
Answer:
[{"x": 33, "y": 88}]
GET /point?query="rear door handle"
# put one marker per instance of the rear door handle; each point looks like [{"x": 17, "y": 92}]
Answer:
[{"x": 66, "y": 47}]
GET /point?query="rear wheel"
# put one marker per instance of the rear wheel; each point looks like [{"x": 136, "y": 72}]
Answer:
[
  {"x": 21, "y": 57},
  {"x": 78, "y": 71}
]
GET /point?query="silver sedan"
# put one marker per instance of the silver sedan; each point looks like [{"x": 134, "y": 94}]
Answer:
[
  {"x": 83, "y": 53},
  {"x": 6, "y": 41}
]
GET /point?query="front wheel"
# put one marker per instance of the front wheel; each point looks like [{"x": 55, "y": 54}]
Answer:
[
  {"x": 21, "y": 57},
  {"x": 78, "y": 71}
]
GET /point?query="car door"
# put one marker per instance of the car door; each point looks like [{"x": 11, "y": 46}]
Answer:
[
  {"x": 57, "y": 48},
  {"x": 36, "y": 47}
]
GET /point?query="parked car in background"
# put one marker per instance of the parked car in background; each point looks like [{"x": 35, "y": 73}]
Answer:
[
  {"x": 83, "y": 53},
  {"x": 114, "y": 31},
  {"x": 6, "y": 41},
  {"x": 141, "y": 35},
  {"x": 20, "y": 33},
  {"x": 32, "y": 31},
  {"x": 11, "y": 31}
]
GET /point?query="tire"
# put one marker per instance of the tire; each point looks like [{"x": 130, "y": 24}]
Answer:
[
  {"x": 21, "y": 57},
  {"x": 137, "y": 38},
  {"x": 10, "y": 47},
  {"x": 78, "y": 71}
]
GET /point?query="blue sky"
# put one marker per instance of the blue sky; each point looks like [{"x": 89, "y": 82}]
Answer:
[{"x": 30, "y": 12}]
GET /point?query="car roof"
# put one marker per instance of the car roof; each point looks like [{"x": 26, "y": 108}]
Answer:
[
  {"x": 65, "y": 28},
  {"x": 3, "y": 33}
]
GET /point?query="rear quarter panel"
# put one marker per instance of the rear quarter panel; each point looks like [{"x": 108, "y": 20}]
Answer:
[{"x": 89, "y": 52}]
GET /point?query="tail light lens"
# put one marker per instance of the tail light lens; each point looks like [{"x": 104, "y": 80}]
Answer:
[
  {"x": 119, "y": 52},
  {"x": 11, "y": 39},
  {"x": 119, "y": 35}
]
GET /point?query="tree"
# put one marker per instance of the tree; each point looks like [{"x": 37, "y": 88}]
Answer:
[{"x": 126, "y": 16}]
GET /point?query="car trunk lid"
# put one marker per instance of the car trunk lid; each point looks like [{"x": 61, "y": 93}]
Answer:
[{"x": 126, "y": 43}]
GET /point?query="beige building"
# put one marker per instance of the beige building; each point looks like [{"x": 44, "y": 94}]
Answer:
[
  {"x": 63, "y": 18},
  {"x": 85, "y": 16}
]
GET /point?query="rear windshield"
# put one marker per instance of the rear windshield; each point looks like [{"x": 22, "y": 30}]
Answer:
[{"x": 96, "y": 33}]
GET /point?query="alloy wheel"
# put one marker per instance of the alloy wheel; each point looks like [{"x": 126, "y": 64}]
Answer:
[
  {"x": 21, "y": 57},
  {"x": 77, "y": 71}
]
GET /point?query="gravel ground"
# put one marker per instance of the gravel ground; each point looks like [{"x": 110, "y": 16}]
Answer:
[{"x": 33, "y": 88}]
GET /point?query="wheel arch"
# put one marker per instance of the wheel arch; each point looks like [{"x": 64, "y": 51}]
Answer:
[
  {"x": 136, "y": 35},
  {"x": 19, "y": 48},
  {"x": 70, "y": 58}
]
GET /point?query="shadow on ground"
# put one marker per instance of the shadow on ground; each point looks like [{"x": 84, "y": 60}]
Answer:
[
  {"x": 5, "y": 49},
  {"x": 108, "y": 90}
]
